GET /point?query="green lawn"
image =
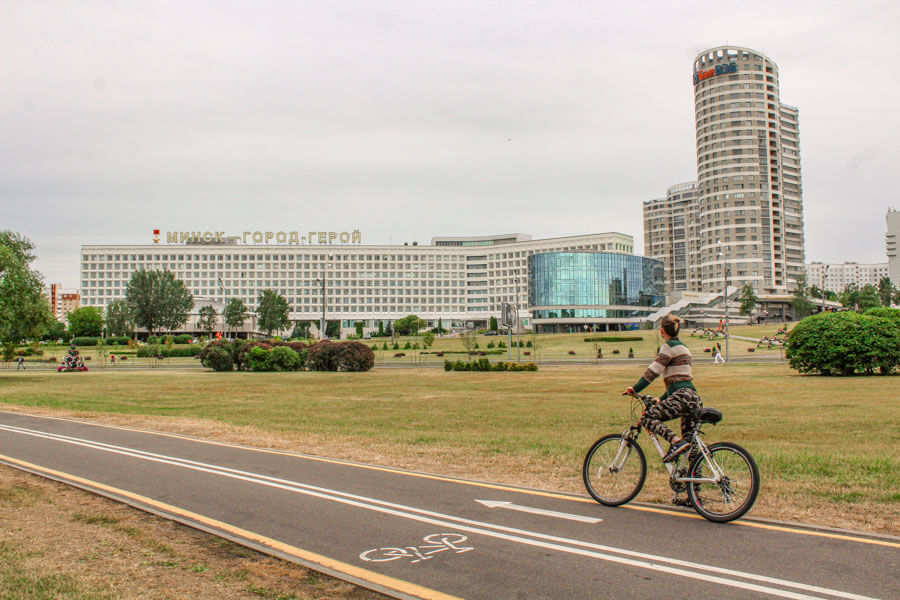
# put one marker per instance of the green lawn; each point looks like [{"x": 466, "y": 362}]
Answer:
[{"x": 828, "y": 448}]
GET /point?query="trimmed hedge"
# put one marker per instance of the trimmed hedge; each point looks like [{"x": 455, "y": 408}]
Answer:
[
  {"x": 609, "y": 338},
  {"x": 85, "y": 341},
  {"x": 165, "y": 352},
  {"x": 483, "y": 364},
  {"x": 340, "y": 356},
  {"x": 844, "y": 343}
]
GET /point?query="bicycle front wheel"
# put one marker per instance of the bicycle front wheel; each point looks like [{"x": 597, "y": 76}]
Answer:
[
  {"x": 735, "y": 494},
  {"x": 614, "y": 470}
]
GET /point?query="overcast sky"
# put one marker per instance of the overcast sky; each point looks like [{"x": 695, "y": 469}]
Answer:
[{"x": 408, "y": 120}]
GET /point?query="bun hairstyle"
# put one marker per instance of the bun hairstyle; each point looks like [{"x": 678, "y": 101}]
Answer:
[{"x": 671, "y": 325}]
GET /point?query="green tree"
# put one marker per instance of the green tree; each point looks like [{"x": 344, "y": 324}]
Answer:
[
  {"x": 158, "y": 300},
  {"x": 868, "y": 298},
  {"x": 409, "y": 325},
  {"x": 803, "y": 306},
  {"x": 333, "y": 330},
  {"x": 301, "y": 329},
  {"x": 493, "y": 324},
  {"x": 749, "y": 299},
  {"x": 56, "y": 331},
  {"x": 885, "y": 291},
  {"x": 24, "y": 310},
  {"x": 428, "y": 339},
  {"x": 236, "y": 312},
  {"x": 208, "y": 318},
  {"x": 850, "y": 296},
  {"x": 86, "y": 321},
  {"x": 440, "y": 327},
  {"x": 359, "y": 328},
  {"x": 469, "y": 340},
  {"x": 272, "y": 309},
  {"x": 119, "y": 318}
]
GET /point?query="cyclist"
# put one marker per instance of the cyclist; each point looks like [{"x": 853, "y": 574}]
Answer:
[{"x": 680, "y": 398}]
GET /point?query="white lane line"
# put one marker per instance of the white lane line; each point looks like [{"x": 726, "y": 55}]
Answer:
[
  {"x": 478, "y": 527},
  {"x": 537, "y": 511}
]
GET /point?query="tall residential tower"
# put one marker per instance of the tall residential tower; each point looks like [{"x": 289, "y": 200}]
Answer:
[{"x": 746, "y": 222}]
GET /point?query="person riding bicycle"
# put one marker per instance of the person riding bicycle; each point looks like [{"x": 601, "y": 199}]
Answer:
[{"x": 680, "y": 398}]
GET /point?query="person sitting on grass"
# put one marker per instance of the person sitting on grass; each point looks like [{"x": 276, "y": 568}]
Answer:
[{"x": 680, "y": 398}]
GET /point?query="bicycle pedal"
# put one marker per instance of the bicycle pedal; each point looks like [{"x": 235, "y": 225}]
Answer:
[{"x": 680, "y": 501}]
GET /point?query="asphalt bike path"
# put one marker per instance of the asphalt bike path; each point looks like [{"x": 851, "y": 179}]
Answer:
[{"x": 416, "y": 535}]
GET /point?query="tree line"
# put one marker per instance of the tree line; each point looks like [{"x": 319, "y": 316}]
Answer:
[{"x": 853, "y": 297}]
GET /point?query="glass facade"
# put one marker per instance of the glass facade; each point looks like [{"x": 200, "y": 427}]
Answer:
[{"x": 594, "y": 285}]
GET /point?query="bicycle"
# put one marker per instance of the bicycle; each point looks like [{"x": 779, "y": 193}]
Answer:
[{"x": 721, "y": 479}]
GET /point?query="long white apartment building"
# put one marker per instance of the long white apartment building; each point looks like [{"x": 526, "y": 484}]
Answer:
[
  {"x": 460, "y": 280},
  {"x": 835, "y": 277}
]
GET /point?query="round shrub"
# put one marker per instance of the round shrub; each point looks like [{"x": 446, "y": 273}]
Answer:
[
  {"x": 284, "y": 358},
  {"x": 260, "y": 359},
  {"x": 844, "y": 343},
  {"x": 217, "y": 358},
  {"x": 241, "y": 358}
]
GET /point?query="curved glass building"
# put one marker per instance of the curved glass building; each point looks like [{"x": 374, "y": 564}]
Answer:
[{"x": 572, "y": 291}]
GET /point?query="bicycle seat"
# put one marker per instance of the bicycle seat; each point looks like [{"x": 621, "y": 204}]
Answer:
[{"x": 710, "y": 415}]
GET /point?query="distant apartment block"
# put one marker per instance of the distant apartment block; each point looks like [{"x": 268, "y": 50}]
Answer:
[
  {"x": 837, "y": 276},
  {"x": 62, "y": 303}
]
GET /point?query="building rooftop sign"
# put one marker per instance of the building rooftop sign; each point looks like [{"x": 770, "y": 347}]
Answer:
[{"x": 292, "y": 238}]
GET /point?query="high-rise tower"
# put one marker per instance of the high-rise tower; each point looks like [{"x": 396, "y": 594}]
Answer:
[{"x": 749, "y": 208}]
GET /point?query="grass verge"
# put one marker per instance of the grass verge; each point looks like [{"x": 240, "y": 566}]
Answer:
[{"x": 827, "y": 447}]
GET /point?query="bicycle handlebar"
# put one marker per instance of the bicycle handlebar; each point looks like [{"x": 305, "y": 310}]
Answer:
[{"x": 647, "y": 399}]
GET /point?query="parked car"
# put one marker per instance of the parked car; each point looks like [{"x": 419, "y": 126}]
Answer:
[{"x": 491, "y": 333}]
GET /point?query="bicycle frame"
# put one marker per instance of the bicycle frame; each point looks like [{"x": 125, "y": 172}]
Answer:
[{"x": 672, "y": 467}]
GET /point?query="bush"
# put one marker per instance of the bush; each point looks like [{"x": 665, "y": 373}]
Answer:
[
  {"x": 844, "y": 343},
  {"x": 117, "y": 341},
  {"x": 217, "y": 358},
  {"x": 283, "y": 358},
  {"x": 892, "y": 314},
  {"x": 85, "y": 341},
  {"x": 184, "y": 338},
  {"x": 241, "y": 359},
  {"x": 491, "y": 344},
  {"x": 528, "y": 344},
  {"x": 340, "y": 356},
  {"x": 610, "y": 338},
  {"x": 259, "y": 359},
  {"x": 164, "y": 352},
  {"x": 483, "y": 364}
]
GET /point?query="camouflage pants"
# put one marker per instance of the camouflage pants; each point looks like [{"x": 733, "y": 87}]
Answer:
[{"x": 684, "y": 403}]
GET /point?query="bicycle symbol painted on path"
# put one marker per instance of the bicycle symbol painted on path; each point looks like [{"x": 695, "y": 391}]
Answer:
[{"x": 434, "y": 543}]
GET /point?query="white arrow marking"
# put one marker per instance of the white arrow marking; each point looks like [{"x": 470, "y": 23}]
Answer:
[{"x": 537, "y": 511}]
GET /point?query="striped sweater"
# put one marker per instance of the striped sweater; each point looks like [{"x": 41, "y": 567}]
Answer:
[{"x": 674, "y": 364}]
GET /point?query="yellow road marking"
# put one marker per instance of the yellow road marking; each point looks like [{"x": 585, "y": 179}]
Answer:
[
  {"x": 494, "y": 486},
  {"x": 330, "y": 563}
]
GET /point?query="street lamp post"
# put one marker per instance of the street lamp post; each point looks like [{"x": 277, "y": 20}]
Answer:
[
  {"x": 324, "y": 274},
  {"x": 725, "y": 299},
  {"x": 824, "y": 281},
  {"x": 224, "y": 306},
  {"x": 518, "y": 340}
]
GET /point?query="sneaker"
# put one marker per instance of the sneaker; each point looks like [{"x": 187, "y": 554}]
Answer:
[{"x": 676, "y": 449}]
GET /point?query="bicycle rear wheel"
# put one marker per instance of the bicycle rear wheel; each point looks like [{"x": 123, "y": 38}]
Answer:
[
  {"x": 614, "y": 470},
  {"x": 732, "y": 497}
]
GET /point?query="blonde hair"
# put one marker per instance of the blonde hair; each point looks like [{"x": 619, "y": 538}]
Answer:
[{"x": 671, "y": 325}]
